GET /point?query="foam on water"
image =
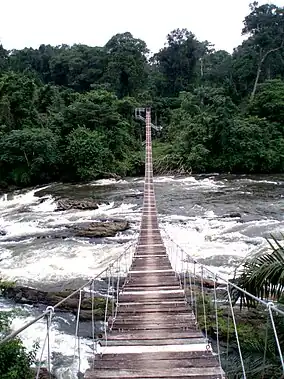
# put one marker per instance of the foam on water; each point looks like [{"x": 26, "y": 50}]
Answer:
[
  {"x": 4, "y": 197},
  {"x": 48, "y": 205},
  {"x": 22, "y": 199},
  {"x": 53, "y": 262},
  {"x": 247, "y": 180},
  {"x": 209, "y": 183},
  {"x": 205, "y": 238},
  {"x": 19, "y": 228},
  {"x": 108, "y": 182}
]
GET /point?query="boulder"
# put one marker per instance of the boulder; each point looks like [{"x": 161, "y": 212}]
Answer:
[
  {"x": 232, "y": 215},
  {"x": 66, "y": 204},
  {"x": 102, "y": 229}
]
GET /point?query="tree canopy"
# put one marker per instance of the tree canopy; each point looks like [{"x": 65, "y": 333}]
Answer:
[{"x": 67, "y": 112}]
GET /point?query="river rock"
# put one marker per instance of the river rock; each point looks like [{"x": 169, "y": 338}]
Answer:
[
  {"x": 66, "y": 204},
  {"x": 232, "y": 215},
  {"x": 98, "y": 229},
  {"x": 102, "y": 229}
]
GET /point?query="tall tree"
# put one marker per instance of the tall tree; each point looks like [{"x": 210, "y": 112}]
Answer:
[
  {"x": 3, "y": 59},
  {"x": 126, "y": 69},
  {"x": 265, "y": 25},
  {"x": 177, "y": 61}
]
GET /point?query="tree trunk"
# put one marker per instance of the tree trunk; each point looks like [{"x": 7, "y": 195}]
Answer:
[
  {"x": 26, "y": 158},
  {"x": 259, "y": 69},
  {"x": 256, "y": 81}
]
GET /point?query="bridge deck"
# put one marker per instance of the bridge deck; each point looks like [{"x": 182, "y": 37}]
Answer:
[{"x": 155, "y": 333}]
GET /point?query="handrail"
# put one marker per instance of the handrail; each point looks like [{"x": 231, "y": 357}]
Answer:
[
  {"x": 47, "y": 311},
  {"x": 267, "y": 304}
]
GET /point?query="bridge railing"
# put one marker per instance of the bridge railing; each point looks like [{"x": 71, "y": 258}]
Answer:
[
  {"x": 98, "y": 296},
  {"x": 221, "y": 316}
]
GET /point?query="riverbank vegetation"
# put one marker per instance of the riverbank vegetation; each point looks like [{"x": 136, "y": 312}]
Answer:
[{"x": 66, "y": 112}]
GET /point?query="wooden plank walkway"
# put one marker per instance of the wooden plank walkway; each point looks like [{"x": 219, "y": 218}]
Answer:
[{"x": 155, "y": 333}]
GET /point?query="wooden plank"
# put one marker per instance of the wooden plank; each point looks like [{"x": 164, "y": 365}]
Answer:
[
  {"x": 124, "y": 297},
  {"x": 130, "y": 288},
  {"x": 157, "y": 274},
  {"x": 162, "y": 310},
  {"x": 153, "y": 342},
  {"x": 162, "y": 355},
  {"x": 168, "y": 281},
  {"x": 151, "y": 266},
  {"x": 170, "y": 363},
  {"x": 193, "y": 372},
  {"x": 155, "y": 326},
  {"x": 155, "y": 318},
  {"x": 152, "y": 273},
  {"x": 156, "y": 335},
  {"x": 153, "y": 306}
]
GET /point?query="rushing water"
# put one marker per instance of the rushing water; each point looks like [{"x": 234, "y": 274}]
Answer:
[{"x": 192, "y": 210}]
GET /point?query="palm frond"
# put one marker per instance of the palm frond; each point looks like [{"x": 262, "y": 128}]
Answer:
[{"x": 263, "y": 275}]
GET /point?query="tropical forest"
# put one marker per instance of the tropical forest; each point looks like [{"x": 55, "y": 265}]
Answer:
[{"x": 67, "y": 112}]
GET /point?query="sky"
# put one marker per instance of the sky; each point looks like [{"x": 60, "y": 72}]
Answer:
[{"x": 30, "y": 23}]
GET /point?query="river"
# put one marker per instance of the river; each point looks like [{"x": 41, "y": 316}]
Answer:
[{"x": 218, "y": 219}]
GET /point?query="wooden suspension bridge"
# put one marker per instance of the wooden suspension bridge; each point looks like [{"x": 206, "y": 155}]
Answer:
[{"x": 155, "y": 333}]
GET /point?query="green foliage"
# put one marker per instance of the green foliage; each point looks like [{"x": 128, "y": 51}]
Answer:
[
  {"x": 126, "y": 70},
  {"x": 269, "y": 101},
  {"x": 5, "y": 284},
  {"x": 177, "y": 61},
  {"x": 28, "y": 154},
  {"x": 86, "y": 153},
  {"x": 15, "y": 360}
]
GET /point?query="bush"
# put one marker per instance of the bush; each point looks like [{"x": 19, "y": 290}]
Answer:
[{"x": 15, "y": 360}]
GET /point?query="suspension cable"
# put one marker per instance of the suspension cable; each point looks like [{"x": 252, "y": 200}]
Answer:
[
  {"x": 117, "y": 294},
  {"x": 228, "y": 341},
  {"x": 106, "y": 307},
  {"x": 265, "y": 346},
  {"x": 204, "y": 307},
  {"x": 112, "y": 292},
  {"x": 94, "y": 345},
  {"x": 49, "y": 319},
  {"x": 49, "y": 312},
  {"x": 236, "y": 331},
  {"x": 195, "y": 296},
  {"x": 269, "y": 307},
  {"x": 190, "y": 286},
  {"x": 217, "y": 322},
  {"x": 77, "y": 337}
]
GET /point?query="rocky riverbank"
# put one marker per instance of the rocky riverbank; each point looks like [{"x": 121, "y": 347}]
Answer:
[{"x": 37, "y": 298}]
